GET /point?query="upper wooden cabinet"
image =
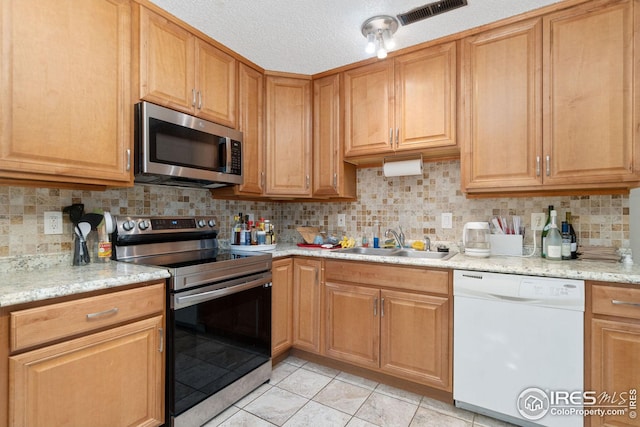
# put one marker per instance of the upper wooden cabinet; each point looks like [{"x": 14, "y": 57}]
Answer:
[
  {"x": 332, "y": 176},
  {"x": 65, "y": 110},
  {"x": 183, "y": 72},
  {"x": 407, "y": 104},
  {"x": 501, "y": 118},
  {"x": 288, "y": 136},
  {"x": 549, "y": 102}
]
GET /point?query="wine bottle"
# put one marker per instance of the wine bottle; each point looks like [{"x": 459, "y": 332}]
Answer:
[
  {"x": 574, "y": 237},
  {"x": 545, "y": 231},
  {"x": 566, "y": 241},
  {"x": 553, "y": 241}
]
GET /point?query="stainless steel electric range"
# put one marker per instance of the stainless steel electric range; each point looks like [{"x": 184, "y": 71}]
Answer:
[{"x": 218, "y": 312}]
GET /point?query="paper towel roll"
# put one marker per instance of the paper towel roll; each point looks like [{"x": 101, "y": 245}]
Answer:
[{"x": 403, "y": 168}]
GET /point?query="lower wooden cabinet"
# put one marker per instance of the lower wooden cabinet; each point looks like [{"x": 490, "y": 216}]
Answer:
[
  {"x": 396, "y": 320},
  {"x": 281, "y": 306},
  {"x": 102, "y": 364},
  {"x": 307, "y": 303},
  {"x": 615, "y": 346},
  {"x": 105, "y": 379}
]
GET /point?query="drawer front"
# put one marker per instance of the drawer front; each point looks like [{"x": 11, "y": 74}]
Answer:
[
  {"x": 52, "y": 322},
  {"x": 615, "y": 301},
  {"x": 392, "y": 277}
]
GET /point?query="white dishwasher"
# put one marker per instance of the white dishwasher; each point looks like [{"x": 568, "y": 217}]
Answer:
[{"x": 518, "y": 347}]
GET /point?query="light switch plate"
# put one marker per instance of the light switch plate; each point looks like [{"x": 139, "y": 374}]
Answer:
[
  {"x": 447, "y": 220},
  {"x": 53, "y": 222},
  {"x": 341, "y": 220}
]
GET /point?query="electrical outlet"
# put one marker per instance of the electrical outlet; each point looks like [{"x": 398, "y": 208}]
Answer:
[
  {"x": 341, "y": 220},
  {"x": 537, "y": 221},
  {"x": 53, "y": 223},
  {"x": 447, "y": 220}
]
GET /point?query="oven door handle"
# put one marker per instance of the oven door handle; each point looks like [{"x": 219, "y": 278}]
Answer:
[{"x": 187, "y": 300}]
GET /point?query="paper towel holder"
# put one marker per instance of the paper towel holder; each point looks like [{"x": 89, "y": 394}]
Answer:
[{"x": 411, "y": 165}]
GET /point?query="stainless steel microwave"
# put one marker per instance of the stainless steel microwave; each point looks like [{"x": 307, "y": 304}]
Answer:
[{"x": 173, "y": 148}]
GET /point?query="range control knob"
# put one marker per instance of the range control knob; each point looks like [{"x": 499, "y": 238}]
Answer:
[
  {"x": 212, "y": 223},
  {"x": 201, "y": 223},
  {"x": 144, "y": 224},
  {"x": 128, "y": 225}
]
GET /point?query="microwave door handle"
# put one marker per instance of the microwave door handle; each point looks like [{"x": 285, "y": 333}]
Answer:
[{"x": 227, "y": 167}]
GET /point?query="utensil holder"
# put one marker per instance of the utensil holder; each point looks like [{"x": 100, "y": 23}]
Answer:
[{"x": 506, "y": 244}]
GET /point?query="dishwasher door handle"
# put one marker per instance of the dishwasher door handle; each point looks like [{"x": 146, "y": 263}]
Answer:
[{"x": 514, "y": 299}]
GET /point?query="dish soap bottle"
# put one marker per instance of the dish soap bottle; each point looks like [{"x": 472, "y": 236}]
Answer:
[{"x": 553, "y": 241}]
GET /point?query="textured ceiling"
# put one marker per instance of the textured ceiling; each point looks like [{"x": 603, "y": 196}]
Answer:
[{"x": 312, "y": 36}]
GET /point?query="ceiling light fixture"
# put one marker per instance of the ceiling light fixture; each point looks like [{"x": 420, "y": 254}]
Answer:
[{"x": 379, "y": 32}]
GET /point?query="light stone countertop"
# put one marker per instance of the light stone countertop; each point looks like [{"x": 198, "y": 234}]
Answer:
[
  {"x": 29, "y": 279},
  {"x": 532, "y": 266},
  {"x": 27, "y": 285}
]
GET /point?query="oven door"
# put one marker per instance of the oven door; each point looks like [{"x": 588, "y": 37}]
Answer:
[{"x": 217, "y": 334}]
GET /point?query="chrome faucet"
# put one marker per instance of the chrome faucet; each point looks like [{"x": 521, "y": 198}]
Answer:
[
  {"x": 399, "y": 237},
  {"x": 427, "y": 243}
]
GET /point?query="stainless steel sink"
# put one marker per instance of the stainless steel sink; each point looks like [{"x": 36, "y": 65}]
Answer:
[
  {"x": 408, "y": 253},
  {"x": 368, "y": 251},
  {"x": 422, "y": 254}
]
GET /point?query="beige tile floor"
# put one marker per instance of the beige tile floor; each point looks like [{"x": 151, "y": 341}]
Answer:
[{"x": 302, "y": 393}]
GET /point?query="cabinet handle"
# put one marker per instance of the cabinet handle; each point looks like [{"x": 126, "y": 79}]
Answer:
[
  {"x": 262, "y": 180},
  {"x": 382, "y": 308},
  {"x": 307, "y": 180},
  {"x": 391, "y": 138},
  {"x": 193, "y": 97},
  {"x": 109, "y": 312},
  {"x": 375, "y": 307},
  {"x": 161, "y": 343},
  {"x": 537, "y": 165},
  {"x": 548, "y": 160},
  {"x": 335, "y": 181},
  {"x": 397, "y": 137},
  {"x": 128, "y": 159},
  {"x": 199, "y": 100},
  {"x": 618, "y": 302}
]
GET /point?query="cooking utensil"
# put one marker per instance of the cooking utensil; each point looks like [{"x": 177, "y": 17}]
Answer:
[
  {"x": 94, "y": 219},
  {"x": 75, "y": 212}
]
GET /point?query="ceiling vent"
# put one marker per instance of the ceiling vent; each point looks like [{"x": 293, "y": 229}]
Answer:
[{"x": 429, "y": 10}]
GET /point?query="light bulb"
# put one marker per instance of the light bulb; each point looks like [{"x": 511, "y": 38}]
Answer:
[
  {"x": 382, "y": 48},
  {"x": 371, "y": 43},
  {"x": 389, "y": 42}
]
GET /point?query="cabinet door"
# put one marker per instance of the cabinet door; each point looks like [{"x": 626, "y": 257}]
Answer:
[
  {"x": 167, "y": 73},
  {"x": 369, "y": 109},
  {"x": 281, "y": 306},
  {"x": 111, "y": 378},
  {"x": 250, "y": 95},
  {"x": 332, "y": 176},
  {"x": 415, "y": 338},
  {"x": 425, "y": 98},
  {"x": 65, "y": 106},
  {"x": 615, "y": 347},
  {"x": 590, "y": 74},
  {"x": 215, "y": 84},
  {"x": 306, "y": 304},
  {"x": 353, "y": 324},
  {"x": 289, "y": 137},
  {"x": 501, "y": 110}
]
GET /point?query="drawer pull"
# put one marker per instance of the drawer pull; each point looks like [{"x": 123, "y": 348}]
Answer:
[
  {"x": 161, "y": 340},
  {"x": 618, "y": 302},
  {"x": 109, "y": 312}
]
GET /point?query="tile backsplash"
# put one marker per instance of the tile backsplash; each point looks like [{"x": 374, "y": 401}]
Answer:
[{"x": 414, "y": 202}]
